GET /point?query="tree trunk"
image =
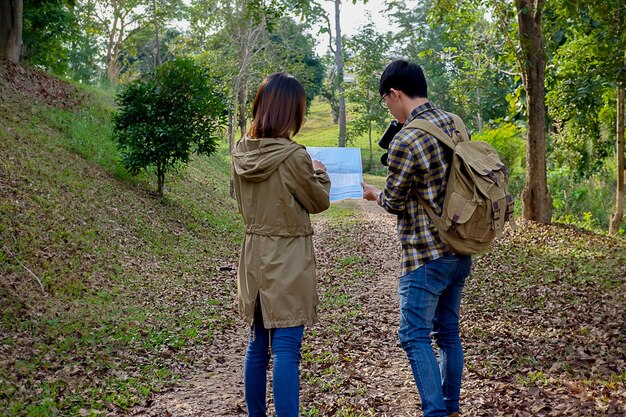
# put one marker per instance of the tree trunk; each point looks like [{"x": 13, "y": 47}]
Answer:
[
  {"x": 243, "y": 102},
  {"x": 111, "y": 64},
  {"x": 157, "y": 54},
  {"x": 616, "y": 219},
  {"x": 339, "y": 62},
  {"x": 160, "y": 179},
  {"x": 11, "y": 21},
  {"x": 479, "y": 106},
  {"x": 369, "y": 131},
  {"x": 231, "y": 144},
  {"x": 536, "y": 200}
]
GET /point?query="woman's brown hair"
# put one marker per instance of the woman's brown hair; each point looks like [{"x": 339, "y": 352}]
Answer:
[{"x": 278, "y": 108}]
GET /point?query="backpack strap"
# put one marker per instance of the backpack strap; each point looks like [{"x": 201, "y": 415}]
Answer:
[
  {"x": 460, "y": 127},
  {"x": 437, "y": 132},
  {"x": 432, "y": 129}
]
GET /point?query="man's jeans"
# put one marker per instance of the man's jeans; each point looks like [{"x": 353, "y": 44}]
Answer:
[
  {"x": 430, "y": 299},
  {"x": 286, "y": 345}
]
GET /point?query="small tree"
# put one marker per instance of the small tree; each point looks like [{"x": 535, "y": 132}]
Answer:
[{"x": 163, "y": 120}]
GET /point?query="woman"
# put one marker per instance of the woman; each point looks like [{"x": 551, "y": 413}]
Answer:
[{"x": 277, "y": 186}]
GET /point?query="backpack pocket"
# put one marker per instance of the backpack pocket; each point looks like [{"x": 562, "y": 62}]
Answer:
[{"x": 465, "y": 217}]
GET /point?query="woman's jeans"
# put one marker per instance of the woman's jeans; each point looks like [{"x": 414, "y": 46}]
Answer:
[
  {"x": 286, "y": 343},
  {"x": 430, "y": 300}
]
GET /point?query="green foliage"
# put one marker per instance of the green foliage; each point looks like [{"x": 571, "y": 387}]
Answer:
[
  {"x": 126, "y": 278},
  {"x": 139, "y": 54},
  {"x": 507, "y": 139},
  {"x": 85, "y": 52},
  {"x": 164, "y": 119},
  {"x": 584, "y": 202},
  {"x": 575, "y": 101},
  {"x": 581, "y": 87},
  {"x": 48, "y": 26},
  {"x": 293, "y": 50},
  {"x": 461, "y": 53}
]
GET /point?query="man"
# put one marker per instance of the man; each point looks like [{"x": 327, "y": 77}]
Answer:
[{"x": 432, "y": 277}]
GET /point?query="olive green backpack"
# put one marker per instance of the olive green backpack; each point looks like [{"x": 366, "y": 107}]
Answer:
[{"x": 477, "y": 203}]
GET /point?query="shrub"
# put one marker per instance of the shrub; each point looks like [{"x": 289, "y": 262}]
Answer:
[
  {"x": 165, "y": 118},
  {"x": 507, "y": 139}
]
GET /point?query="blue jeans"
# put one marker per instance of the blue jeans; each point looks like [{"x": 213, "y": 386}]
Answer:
[
  {"x": 286, "y": 344},
  {"x": 430, "y": 300}
]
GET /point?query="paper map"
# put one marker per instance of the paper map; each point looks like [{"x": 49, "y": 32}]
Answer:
[{"x": 343, "y": 166}]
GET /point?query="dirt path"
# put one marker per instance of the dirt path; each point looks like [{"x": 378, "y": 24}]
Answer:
[
  {"x": 379, "y": 376},
  {"x": 522, "y": 356}
]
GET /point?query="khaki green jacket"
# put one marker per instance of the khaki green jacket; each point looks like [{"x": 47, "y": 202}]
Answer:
[{"x": 276, "y": 189}]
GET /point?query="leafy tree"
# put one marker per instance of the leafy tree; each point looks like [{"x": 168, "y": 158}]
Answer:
[
  {"x": 231, "y": 36},
  {"x": 244, "y": 44},
  {"x": 521, "y": 25},
  {"x": 85, "y": 54},
  {"x": 292, "y": 50},
  {"x": 164, "y": 119},
  {"x": 368, "y": 57},
  {"x": 139, "y": 55},
  {"x": 118, "y": 20},
  {"x": 48, "y": 27},
  {"x": 423, "y": 42},
  {"x": 459, "y": 51},
  {"x": 587, "y": 95},
  {"x": 312, "y": 9}
]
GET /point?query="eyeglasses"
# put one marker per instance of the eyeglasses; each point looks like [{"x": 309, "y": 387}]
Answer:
[{"x": 382, "y": 103}]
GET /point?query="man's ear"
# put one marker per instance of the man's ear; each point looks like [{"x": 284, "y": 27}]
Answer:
[{"x": 395, "y": 93}]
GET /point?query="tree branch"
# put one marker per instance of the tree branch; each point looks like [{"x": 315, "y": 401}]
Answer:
[{"x": 7, "y": 250}]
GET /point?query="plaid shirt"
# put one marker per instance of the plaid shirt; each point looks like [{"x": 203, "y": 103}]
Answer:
[{"x": 418, "y": 163}]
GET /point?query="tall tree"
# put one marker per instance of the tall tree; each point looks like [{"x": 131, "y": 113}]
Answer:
[
  {"x": 527, "y": 45},
  {"x": 536, "y": 200},
  {"x": 316, "y": 11},
  {"x": 465, "y": 46},
  {"x": 617, "y": 217},
  {"x": 119, "y": 19},
  {"x": 292, "y": 49},
  {"x": 11, "y": 22},
  {"x": 338, "y": 51},
  {"x": 85, "y": 47},
  {"x": 423, "y": 42},
  {"x": 367, "y": 59}
]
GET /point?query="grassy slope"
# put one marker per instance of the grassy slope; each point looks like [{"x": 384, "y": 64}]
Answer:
[{"x": 132, "y": 283}]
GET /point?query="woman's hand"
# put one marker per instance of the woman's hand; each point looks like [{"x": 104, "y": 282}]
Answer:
[{"x": 318, "y": 165}]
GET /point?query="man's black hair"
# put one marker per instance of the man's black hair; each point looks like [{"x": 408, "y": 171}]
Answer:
[{"x": 405, "y": 76}]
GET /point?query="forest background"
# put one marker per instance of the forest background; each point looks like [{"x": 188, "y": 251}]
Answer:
[{"x": 540, "y": 80}]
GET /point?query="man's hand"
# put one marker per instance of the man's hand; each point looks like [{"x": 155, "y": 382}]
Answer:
[
  {"x": 370, "y": 192},
  {"x": 318, "y": 165}
]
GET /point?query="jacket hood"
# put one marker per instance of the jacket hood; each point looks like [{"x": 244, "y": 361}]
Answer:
[{"x": 256, "y": 159}]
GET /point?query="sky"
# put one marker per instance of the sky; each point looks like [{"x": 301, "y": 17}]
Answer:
[{"x": 353, "y": 16}]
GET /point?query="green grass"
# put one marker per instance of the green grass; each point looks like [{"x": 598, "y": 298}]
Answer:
[
  {"x": 132, "y": 282},
  {"x": 319, "y": 130}
]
